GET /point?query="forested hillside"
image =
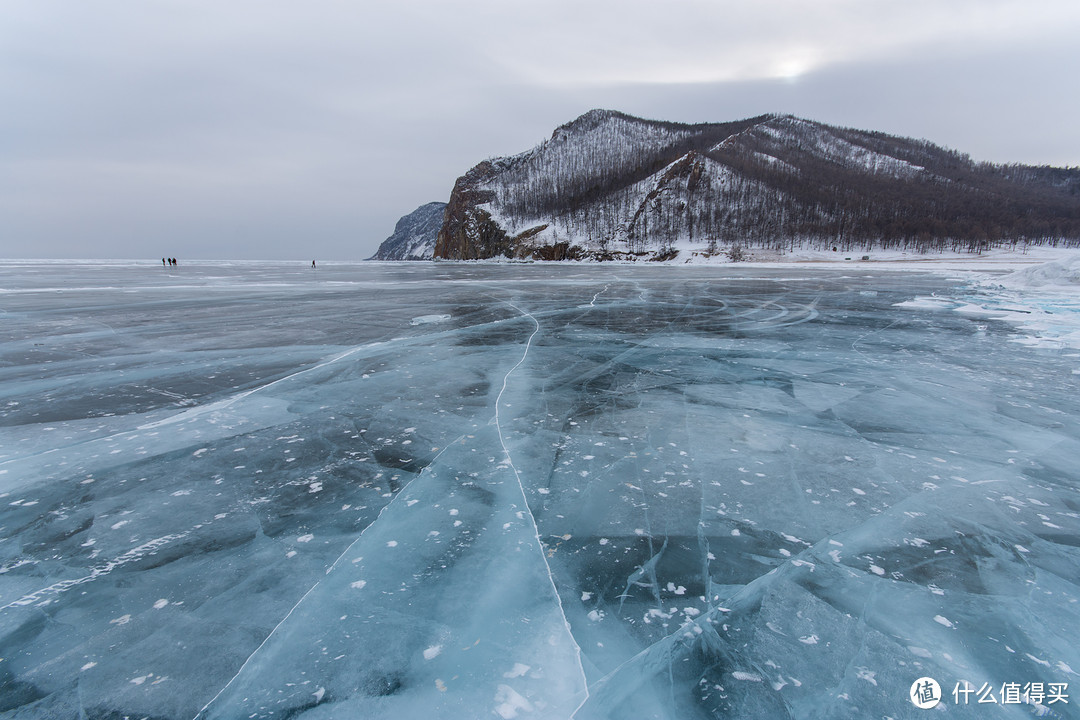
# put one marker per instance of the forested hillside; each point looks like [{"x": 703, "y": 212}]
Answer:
[{"x": 609, "y": 185}]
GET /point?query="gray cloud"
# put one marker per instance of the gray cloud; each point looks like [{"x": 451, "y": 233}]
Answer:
[{"x": 271, "y": 129}]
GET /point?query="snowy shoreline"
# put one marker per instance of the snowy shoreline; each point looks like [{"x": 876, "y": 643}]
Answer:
[{"x": 693, "y": 256}]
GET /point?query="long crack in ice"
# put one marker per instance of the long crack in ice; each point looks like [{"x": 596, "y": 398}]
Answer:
[
  {"x": 528, "y": 510},
  {"x": 330, "y": 569}
]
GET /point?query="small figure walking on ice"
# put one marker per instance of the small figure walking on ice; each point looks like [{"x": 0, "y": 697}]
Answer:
[{"x": 312, "y": 263}]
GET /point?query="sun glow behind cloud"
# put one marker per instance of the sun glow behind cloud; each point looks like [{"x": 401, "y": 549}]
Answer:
[{"x": 573, "y": 44}]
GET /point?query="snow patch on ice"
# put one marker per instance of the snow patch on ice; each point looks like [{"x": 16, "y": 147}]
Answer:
[
  {"x": 518, "y": 670},
  {"x": 1064, "y": 273},
  {"x": 1042, "y": 301},
  {"x": 429, "y": 319},
  {"x": 749, "y": 677},
  {"x": 509, "y": 702}
]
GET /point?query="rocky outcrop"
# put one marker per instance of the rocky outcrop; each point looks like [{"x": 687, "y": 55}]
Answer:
[{"x": 468, "y": 231}]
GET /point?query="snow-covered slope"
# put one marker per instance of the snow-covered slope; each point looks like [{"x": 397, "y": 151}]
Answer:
[
  {"x": 414, "y": 235},
  {"x": 608, "y": 185}
]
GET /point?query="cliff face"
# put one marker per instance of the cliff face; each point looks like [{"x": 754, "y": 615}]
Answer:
[
  {"x": 468, "y": 231},
  {"x": 414, "y": 235},
  {"x": 608, "y": 185}
]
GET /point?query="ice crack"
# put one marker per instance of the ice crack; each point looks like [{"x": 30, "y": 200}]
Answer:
[
  {"x": 337, "y": 561},
  {"x": 592, "y": 303},
  {"x": 528, "y": 510}
]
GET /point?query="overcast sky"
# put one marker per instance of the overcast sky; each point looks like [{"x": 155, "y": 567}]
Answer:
[{"x": 273, "y": 129}]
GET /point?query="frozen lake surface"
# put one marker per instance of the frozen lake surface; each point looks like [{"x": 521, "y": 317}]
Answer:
[{"x": 471, "y": 491}]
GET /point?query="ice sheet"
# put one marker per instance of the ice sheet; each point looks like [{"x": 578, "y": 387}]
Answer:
[{"x": 450, "y": 490}]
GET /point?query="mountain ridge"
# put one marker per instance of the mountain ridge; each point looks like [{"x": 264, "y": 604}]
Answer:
[{"x": 608, "y": 185}]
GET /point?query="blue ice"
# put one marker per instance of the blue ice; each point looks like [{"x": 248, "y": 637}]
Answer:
[{"x": 446, "y": 490}]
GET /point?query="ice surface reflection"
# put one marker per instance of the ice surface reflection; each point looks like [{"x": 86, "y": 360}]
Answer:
[{"x": 453, "y": 491}]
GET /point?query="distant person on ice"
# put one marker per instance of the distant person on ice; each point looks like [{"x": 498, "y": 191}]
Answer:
[{"x": 312, "y": 263}]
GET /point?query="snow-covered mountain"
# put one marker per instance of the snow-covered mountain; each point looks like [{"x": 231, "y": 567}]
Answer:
[
  {"x": 414, "y": 235},
  {"x": 608, "y": 185}
]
